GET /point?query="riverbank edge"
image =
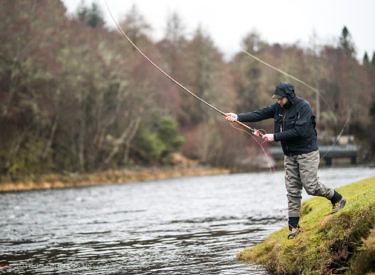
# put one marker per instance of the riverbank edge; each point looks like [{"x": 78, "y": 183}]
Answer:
[
  {"x": 329, "y": 244},
  {"x": 54, "y": 181}
]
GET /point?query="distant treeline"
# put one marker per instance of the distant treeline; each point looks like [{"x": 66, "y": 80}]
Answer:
[{"x": 75, "y": 96}]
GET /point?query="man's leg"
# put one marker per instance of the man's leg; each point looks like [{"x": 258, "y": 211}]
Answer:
[
  {"x": 293, "y": 187},
  {"x": 308, "y": 169}
]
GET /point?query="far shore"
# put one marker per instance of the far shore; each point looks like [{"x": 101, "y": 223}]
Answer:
[{"x": 52, "y": 181}]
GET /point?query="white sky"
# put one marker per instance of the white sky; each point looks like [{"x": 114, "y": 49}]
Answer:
[{"x": 277, "y": 21}]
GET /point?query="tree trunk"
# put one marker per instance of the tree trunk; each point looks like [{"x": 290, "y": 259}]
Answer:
[
  {"x": 81, "y": 144},
  {"x": 120, "y": 141},
  {"x": 129, "y": 140},
  {"x": 52, "y": 135}
]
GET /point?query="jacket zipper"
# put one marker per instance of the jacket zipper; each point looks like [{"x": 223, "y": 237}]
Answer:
[{"x": 286, "y": 145}]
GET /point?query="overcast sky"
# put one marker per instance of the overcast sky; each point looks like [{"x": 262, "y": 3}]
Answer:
[{"x": 277, "y": 21}]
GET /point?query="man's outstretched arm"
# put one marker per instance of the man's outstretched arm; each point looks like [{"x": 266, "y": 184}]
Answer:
[{"x": 254, "y": 116}]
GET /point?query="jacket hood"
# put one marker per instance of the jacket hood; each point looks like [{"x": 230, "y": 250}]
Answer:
[{"x": 285, "y": 89}]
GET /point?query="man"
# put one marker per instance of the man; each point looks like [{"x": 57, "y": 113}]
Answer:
[{"x": 295, "y": 128}]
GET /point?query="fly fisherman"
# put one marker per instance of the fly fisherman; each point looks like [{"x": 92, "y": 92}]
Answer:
[{"x": 295, "y": 129}]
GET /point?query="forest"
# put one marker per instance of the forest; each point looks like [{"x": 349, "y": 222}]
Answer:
[{"x": 76, "y": 97}]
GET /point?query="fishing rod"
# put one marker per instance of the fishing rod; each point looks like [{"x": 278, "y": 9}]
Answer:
[{"x": 253, "y": 131}]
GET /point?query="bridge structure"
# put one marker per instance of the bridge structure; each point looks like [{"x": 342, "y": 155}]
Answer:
[{"x": 327, "y": 152}]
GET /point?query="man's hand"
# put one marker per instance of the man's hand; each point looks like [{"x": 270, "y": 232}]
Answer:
[
  {"x": 268, "y": 137},
  {"x": 231, "y": 116}
]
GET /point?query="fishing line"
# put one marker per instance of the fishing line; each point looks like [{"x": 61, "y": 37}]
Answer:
[
  {"x": 267, "y": 156},
  {"x": 338, "y": 136},
  {"x": 252, "y": 130},
  {"x": 281, "y": 71},
  {"x": 288, "y": 75}
]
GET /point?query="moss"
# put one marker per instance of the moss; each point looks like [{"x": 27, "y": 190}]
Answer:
[
  {"x": 340, "y": 243},
  {"x": 364, "y": 260}
]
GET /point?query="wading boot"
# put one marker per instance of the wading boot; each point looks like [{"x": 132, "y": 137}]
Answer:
[
  {"x": 338, "y": 206},
  {"x": 294, "y": 233}
]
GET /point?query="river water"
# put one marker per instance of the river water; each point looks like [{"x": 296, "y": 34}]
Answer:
[{"x": 190, "y": 225}]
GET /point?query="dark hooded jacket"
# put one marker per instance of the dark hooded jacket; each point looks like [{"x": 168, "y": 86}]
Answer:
[{"x": 294, "y": 123}]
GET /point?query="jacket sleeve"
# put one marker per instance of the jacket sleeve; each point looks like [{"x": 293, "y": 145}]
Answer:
[
  {"x": 258, "y": 115},
  {"x": 302, "y": 128}
]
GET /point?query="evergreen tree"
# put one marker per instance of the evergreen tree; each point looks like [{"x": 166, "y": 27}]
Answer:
[
  {"x": 373, "y": 59},
  {"x": 91, "y": 17},
  {"x": 372, "y": 108},
  {"x": 366, "y": 60},
  {"x": 346, "y": 42}
]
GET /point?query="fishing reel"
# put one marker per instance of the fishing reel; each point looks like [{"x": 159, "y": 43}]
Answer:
[{"x": 257, "y": 132}]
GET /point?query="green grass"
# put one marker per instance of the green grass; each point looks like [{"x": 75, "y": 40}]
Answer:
[{"x": 340, "y": 243}]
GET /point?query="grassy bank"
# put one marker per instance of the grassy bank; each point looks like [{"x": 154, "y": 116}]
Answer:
[
  {"x": 330, "y": 244},
  {"x": 107, "y": 177}
]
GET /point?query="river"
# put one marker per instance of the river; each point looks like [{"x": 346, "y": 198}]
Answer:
[{"x": 189, "y": 225}]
